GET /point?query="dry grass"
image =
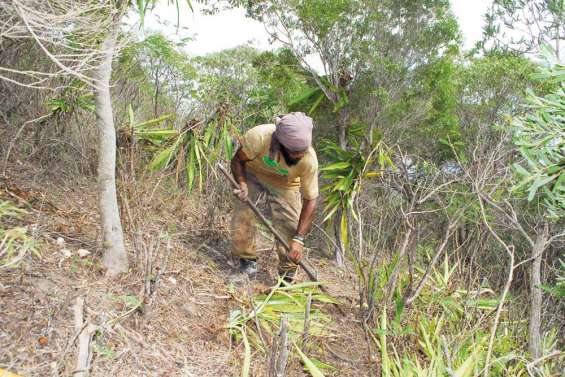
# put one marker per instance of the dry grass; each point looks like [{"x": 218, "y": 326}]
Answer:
[{"x": 185, "y": 334}]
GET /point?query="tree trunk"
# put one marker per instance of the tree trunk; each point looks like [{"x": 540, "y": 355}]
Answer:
[
  {"x": 342, "y": 127},
  {"x": 115, "y": 259},
  {"x": 536, "y": 293}
]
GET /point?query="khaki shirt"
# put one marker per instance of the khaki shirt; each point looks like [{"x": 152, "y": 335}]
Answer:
[{"x": 256, "y": 142}]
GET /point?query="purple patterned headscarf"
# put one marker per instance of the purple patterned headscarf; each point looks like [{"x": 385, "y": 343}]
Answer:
[{"x": 294, "y": 131}]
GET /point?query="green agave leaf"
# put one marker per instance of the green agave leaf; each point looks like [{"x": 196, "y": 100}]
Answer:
[
  {"x": 539, "y": 182},
  {"x": 163, "y": 159},
  {"x": 152, "y": 122},
  {"x": 385, "y": 360},
  {"x": 190, "y": 169},
  {"x": 305, "y": 95},
  {"x": 330, "y": 213},
  {"x": 344, "y": 230},
  {"x": 336, "y": 166},
  {"x": 310, "y": 366},
  {"x": 157, "y": 134},
  {"x": 130, "y": 115},
  {"x": 343, "y": 184},
  {"x": 283, "y": 308},
  {"x": 471, "y": 362},
  {"x": 325, "y": 299},
  {"x": 316, "y": 103},
  {"x": 300, "y": 286},
  {"x": 322, "y": 365}
]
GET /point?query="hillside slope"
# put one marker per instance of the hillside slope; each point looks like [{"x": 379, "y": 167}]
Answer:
[{"x": 184, "y": 334}]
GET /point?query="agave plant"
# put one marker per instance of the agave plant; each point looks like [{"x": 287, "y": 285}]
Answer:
[
  {"x": 265, "y": 313},
  {"x": 346, "y": 171},
  {"x": 450, "y": 334},
  {"x": 72, "y": 98},
  {"x": 192, "y": 149}
]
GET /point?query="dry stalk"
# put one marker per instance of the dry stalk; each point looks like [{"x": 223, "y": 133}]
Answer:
[
  {"x": 85, "y": 331},
  {"x": 447, "y": 235},
  {"x": 306, "y": 321},
  {"x": 279, "y": 352},
  {"x": 510, "y": 251}
]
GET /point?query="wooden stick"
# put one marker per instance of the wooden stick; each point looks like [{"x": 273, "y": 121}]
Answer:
[{"x": 282, "y": 357}]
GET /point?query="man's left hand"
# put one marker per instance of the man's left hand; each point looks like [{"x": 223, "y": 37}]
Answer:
[{"x": 295, "y": 253}]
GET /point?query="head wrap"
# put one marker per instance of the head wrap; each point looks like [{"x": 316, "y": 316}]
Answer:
[{"x": 293, "y": 131}]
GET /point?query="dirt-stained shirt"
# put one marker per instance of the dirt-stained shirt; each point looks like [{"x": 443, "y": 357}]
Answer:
[{"x": 303, "y": 176}]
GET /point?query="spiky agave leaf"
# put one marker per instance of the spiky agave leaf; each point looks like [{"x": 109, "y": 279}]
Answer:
[{"x": 310, "y": 366}]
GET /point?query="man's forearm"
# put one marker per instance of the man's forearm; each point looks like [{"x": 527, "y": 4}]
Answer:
[
  {"x": 306, "y": 217},
  {"x": 238, "y": 169}
]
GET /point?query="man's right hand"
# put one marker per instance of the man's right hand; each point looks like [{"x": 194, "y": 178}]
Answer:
[{"x": 243, "y": 191}]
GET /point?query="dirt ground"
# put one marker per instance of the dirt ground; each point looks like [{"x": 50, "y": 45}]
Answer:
[{"x": 184, "y": 333}]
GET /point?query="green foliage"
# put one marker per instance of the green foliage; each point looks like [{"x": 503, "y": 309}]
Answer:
[
  {"x": 266, "y": 311},
  {"x": 105, "y": 351},
  {"x": 346, "y": 170},
  {"x": 310, "y": 365},
  {"x": 71, "y": 100},
  {"x": 538, "y": 136},
  {"x": 157, "y": 68},
  {"x": 451, "y": 333},
  {"x": 15, "y": 241},
  {"x": 442, "y": 123},
  {"x": 228, "y": 80},
  {"x": 285, "y": 85},
  {"x": 193, "y": 149},
  {"x": 522, "y": 26},
  {"x": 130, "y": 301}
]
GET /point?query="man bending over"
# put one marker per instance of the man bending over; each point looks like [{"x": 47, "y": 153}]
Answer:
[{"x": 278, "y": 160}]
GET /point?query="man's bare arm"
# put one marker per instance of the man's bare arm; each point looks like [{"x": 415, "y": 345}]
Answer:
[
  {"x": 306, "y": 217},
  {"x": 238, "y": 166}
]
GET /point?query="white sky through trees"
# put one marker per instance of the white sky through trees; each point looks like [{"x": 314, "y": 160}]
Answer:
[{"x": 231, "y": 28}]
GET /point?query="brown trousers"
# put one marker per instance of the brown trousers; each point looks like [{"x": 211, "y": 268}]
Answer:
[{"x": 285, "y": 206}]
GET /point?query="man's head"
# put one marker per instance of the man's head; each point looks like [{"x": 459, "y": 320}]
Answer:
[{"x": 294, "y": 133}]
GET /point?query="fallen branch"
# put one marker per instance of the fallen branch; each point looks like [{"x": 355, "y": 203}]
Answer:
[{"x": 85, "y": 331}]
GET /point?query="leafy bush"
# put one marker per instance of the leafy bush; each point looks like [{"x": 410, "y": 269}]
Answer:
[
  {"x": 539, "y": 136},
  {"x": 447, "y": 334}
]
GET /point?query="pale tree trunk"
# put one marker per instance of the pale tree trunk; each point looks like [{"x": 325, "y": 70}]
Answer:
[
  {"x": 115, "y": 259},
  {"x": 342, "y": 118},
  {"x": 536, "y": 293}
]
